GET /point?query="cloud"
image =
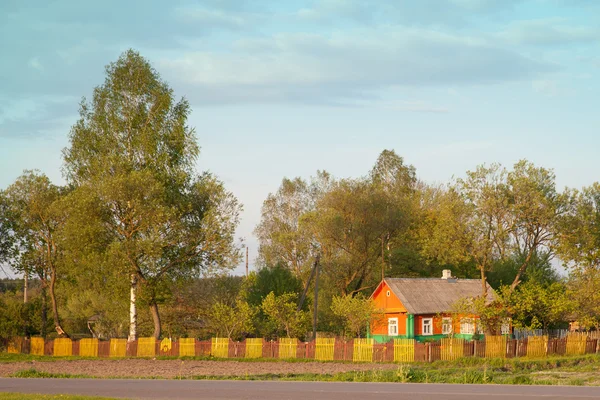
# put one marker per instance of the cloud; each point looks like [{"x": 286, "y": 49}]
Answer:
[
  {"x": 323, "y": 67},
  {"x": 454, "y": 13},
  {"x": 35, "y": 64},
  {"x": 549, "y": 32}
]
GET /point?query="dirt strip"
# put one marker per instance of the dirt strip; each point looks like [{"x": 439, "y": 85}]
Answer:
[{"x": 188, "y": 368}]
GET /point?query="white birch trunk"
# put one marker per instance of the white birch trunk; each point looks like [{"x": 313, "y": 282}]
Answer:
[{"x": 132, "y": 310}]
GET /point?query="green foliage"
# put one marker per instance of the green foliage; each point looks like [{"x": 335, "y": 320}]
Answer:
[
  {"x": 535, "y": 305},
  {"x": 282, "y": 312},
  {"x": 231, "y": 321},
  {"x": 584, "y": 292},
  {"x": 277, "y": 279},
  {"x": 132, "y": 153},
  {"x": 355, "y": 313}
]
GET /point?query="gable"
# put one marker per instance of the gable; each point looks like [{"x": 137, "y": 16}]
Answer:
[{"x": 389, "y": 303}]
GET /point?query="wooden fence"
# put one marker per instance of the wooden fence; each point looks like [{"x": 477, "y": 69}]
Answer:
[{"x": 357, "y": 350}]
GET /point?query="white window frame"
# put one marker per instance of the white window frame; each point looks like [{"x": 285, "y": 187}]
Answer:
[
  {"x": 429, "y": 325},
  {"x": 392, "y": 326},
  {"x": 446, "y": 326},
  {"x": 467, "y": 327},
  {"x": 505, "y": 327}
]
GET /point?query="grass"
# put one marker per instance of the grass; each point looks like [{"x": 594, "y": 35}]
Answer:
[
  {"x": 34, "y": 373},
  {"x": 559, "y": 370},
  {"x": 21, "y": 396}
]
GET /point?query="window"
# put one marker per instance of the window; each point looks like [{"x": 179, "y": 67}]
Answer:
[
  {"x": 393, "y": 326},
  {"x": 446, "y": 326},
  {"x": 427, "y": 326},
  {"x": 505, "y": 328},
  {"x": 466, "y": 326},
  {"x": 479, "y": 328},
  {"x": 388, "y": 293}
]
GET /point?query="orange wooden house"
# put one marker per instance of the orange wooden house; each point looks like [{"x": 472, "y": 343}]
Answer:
[{"x": 419, "y": 308}]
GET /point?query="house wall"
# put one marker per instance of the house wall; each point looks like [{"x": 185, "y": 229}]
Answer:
[
  {"x": 383, "y": 301},
  {"x": 393, "y": 308}
]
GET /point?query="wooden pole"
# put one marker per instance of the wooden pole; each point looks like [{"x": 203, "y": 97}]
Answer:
[
  {"x": 246, "y": 261},
  {"x": 316, "y": 302}
]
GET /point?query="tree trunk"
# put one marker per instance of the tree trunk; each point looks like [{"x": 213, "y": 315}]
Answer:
[
  {"x": 132, "y": 310},
  {"x": 57, "y": 327},
  {"x": 155, "y": 319},
  {"x": 483, "y": 281},
  {"x": 44, "y": 311},
  {"x": 521, "y": 271}
]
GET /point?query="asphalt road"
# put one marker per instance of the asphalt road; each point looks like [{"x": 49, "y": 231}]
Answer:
[{"x": 188, "y": 389}]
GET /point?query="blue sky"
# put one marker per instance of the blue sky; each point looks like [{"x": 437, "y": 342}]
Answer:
[{"x": 286, "y": 88}]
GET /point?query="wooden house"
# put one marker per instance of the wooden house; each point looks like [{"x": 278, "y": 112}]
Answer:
[{"x": 420, "y": 308}]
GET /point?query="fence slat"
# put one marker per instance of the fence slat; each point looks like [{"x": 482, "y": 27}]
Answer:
[{"x": 363, "y": 350}]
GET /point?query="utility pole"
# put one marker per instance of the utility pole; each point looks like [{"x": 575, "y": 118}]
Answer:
[
  {"x": 316, "y": 302},
  {"x": 313, "y": 273},
  {"x": 25, "y": 286},
  {"x": 246, "y": 261},
  {"x": 382, "y": 261}
]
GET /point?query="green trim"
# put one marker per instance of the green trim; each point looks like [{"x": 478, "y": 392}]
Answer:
[
  {"x": 410, "y": 326},
  {"x": 418, "y": 338}
]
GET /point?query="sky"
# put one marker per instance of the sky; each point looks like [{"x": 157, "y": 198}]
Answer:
[{"x": 285, "y": 88}]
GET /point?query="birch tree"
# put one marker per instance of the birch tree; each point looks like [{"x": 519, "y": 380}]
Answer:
[{"x": 133, "y": 148}]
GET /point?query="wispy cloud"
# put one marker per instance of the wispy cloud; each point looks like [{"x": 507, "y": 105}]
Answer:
[
  {"x": 289, "y": 66},
  {"x": 549, "y": 32}
]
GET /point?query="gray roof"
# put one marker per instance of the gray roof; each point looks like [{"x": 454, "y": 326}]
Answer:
[{"x": 434, "y": 295}]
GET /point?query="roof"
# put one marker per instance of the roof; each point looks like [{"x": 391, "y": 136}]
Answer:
[{"x": 434, "y": 295}]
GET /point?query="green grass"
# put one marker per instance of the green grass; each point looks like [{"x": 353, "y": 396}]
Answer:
[
  {"x": 34, "y": 373},
  {"x": 21, "y": 396},
  {"x": 558, "y": 370}
]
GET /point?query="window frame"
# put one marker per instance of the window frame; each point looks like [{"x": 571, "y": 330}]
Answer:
[
  {"x": 467, "y": 322},
  {"x": 393, "y": 325},
  {"x": 447, "y": 322},
  {"x": 430, "y": 325}
]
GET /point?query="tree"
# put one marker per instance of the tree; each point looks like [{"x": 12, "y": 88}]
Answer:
[
  {"x": 536, "y": 305},
  {"x": 281, "y": 310},
  {"x": 493, "y": 215},
  {"x": 276, "y": 279},
  {"x": 34, "y": 205},
  {"x": 584, "y": 291},
  {"x": 231, "y": 320},
  {"x": 355, "y": 313},
  {"x": 535, "y": 209},
  {"x": 133, "y": 149},
  {"x": 282, "y": 236},
  {"x": 579, "y": 229}
]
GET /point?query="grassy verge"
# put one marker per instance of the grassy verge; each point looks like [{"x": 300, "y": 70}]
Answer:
[
  {"x": 21, "y": 396},
  {"x": 574, "y": 370}
]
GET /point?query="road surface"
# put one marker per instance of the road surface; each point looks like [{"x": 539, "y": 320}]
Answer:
[{"x": 279, "y": 390}]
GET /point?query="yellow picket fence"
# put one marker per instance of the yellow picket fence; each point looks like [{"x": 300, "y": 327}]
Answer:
[
  {"x": 324, "y": 348},
  {"x": 537, "y": 346},
  {"x": 88, "y": 347},
  {"x": 452, "y": 348},
  {"x": 576, "y": 344},
  {"x": 15, "y": 345},
  {"x": 495, "y": 346},
  {"x": 404, "y": 350},
  {"x": 363, "y": 350},
  {"x": 118, "y": 347},
  {"x": 288, "y": 348},
  {"x": 37, "y": 346},
  {"x": 146, "y": 347},
  {"x": 220, "y": 347},
  {"x": 187, "y": 347},
  {"x": 63, "y": 347},
  {"x": 254, "y": 348}
]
